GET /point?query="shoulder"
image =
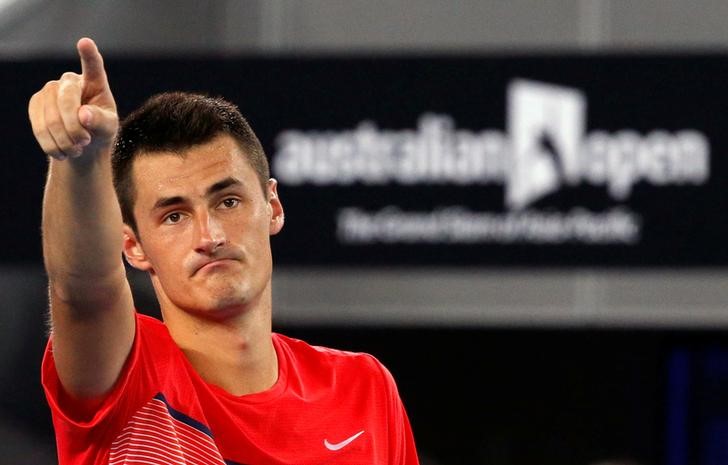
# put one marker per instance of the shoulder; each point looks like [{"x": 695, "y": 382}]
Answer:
[
  {"x": 150, "y": 328},
  {"x": 154, "y": 348},
  {"x": 304, "y": 350},
  {"x": 326, "y": 362},
  {"x": 150, "y": 323},
  {"x": 150, "y": 354}
]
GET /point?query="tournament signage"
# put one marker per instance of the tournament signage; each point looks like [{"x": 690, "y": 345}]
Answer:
[
  {"x": 549, "y": 165},
  {"x": 482, "y": 161},
  {"x": 544, "y": 149}
]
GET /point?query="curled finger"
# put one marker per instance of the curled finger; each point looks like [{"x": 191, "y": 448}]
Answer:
[
  {"x": 69, "y": 101},
  {"x": 36, "y": 113},
  {"x": 55, "y": 125}
]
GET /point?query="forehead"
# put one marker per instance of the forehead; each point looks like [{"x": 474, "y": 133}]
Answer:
[{"x": 191, "y": 171}]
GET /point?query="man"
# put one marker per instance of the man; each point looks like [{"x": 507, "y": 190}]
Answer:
[{"x": 195, "y": 209}]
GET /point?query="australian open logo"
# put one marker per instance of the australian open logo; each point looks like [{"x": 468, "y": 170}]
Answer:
[
  {"x": 545, "y": 147},
  {"x": 546, "y": 124}
]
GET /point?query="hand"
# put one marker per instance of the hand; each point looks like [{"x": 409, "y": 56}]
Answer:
[{"x": 76, "y": 114}]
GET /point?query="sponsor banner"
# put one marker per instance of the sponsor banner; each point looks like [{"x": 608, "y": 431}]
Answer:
[{"x": 515, "y": 161}]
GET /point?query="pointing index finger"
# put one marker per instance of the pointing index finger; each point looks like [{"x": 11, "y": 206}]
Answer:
[{"x": 92, "y": 64}]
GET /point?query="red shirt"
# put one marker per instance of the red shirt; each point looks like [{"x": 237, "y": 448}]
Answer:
[{"x": 327, "y": 406}]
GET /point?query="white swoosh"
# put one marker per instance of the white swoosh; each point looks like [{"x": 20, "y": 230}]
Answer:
[{"x": 342, "y": 444}]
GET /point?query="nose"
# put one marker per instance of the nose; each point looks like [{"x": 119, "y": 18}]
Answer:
[{"x": 211, "y": 235}]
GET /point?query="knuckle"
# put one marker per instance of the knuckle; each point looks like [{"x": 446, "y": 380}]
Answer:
[
  {"x": 32, "y": 111},
  {"x": 38, "y": 132},
  {"x": 36, "y": 101},
  {"x": 69, "y": 76},
  {"x": 69, "y": 88}
]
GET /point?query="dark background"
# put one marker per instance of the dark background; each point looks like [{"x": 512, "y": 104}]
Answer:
[
  {"x": 623, "y": 92},
  {"x": 480, "y": 394}
]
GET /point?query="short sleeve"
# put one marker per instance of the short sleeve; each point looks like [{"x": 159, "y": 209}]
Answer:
[
  {"x": 401, "y": 440},
  {"x": 83, "y": 432}
]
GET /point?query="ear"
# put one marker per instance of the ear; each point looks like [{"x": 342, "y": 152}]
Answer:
[
  {"x": 276, "y": 208},
  {"x": 134, "y": 252}
]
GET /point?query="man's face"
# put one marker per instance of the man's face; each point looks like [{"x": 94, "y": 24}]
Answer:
[{"x": 204, "y": 227}]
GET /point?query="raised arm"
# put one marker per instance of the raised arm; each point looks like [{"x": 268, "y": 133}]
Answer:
[{"x": 74, "y": 120}]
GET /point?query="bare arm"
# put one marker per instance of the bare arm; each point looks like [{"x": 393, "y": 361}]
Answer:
[{"x": 74, "y": 120}]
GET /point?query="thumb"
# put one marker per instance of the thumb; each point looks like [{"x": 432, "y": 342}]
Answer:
[{"x": 98, "y": 121}]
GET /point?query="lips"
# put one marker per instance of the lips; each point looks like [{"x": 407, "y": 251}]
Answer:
[
  {"x": 215, "y": 262},
  {"x": 208, "y": 264}
]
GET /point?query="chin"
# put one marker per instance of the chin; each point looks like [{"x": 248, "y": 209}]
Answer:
[
  {"x": 220, "y": 301},
  {"x": 219, "y": 310},
  {"x": 228, "y": 302}
]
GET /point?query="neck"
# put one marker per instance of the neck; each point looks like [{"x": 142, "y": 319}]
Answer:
[{"x": 235, "y": 353}]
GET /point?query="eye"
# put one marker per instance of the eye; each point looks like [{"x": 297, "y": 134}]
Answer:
[
  {"x": 230, "y": 203},
  {"x": 173, "y": 218}
]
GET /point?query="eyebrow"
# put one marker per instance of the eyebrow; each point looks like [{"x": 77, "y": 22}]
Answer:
[
  {"x": 215, "y": 188},
  {"x": 167, "y": 201},
  {"x": 222, "y": 185}
]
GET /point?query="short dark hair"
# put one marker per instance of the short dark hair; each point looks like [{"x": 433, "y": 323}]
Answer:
[{"x": 174, "y": 122}]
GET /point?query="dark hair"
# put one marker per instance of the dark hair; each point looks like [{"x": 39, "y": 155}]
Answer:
[{"x": 173, "y": 122}]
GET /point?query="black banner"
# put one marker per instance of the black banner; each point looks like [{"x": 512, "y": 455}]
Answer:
[{"x": 482, "y": 161}]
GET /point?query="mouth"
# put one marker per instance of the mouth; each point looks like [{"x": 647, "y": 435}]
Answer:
[{"x": 213, "y": 264}]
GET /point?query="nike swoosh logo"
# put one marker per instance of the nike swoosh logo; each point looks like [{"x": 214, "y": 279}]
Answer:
[{"x": 342, "y": 444}]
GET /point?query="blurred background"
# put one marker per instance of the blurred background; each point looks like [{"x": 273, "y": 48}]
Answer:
[{"x": 518, "y": 206}]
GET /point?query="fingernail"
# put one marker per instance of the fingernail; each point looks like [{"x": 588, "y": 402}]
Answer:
[{"x": 84, "y": 142}]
